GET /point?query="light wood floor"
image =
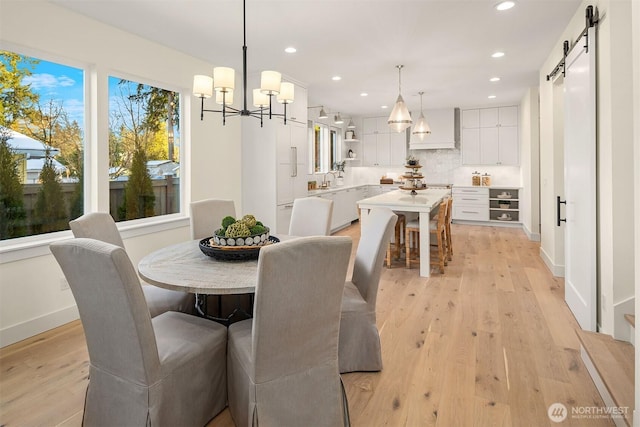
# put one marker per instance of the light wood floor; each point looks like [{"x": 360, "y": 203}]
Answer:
[{"x": 489, "y": 343}]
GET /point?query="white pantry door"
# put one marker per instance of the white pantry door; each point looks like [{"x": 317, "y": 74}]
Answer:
[{"x": 580, "y": 181}]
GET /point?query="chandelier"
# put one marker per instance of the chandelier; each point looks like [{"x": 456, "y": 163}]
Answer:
[{"x": 223, "y": 83}]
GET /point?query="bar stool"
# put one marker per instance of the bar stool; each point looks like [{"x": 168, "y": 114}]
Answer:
[
  {"x": 437, "y": 227},
  {"x": 448, "y": 229},
  {"x": 397, "y": 243}
]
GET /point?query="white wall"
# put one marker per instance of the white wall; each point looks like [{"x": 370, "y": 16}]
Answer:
[
  {"x": 31, "y": 299},
  {"x": 635, "y": 17},
  {"x": 530, "y": 164},
  {"x": 615, "y": 154}
]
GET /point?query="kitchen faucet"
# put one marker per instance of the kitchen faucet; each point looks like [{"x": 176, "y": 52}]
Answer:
[{"x": 324, "y": 178}]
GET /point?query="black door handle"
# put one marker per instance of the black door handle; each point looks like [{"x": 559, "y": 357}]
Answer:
[{"x": 558, "y": 202}]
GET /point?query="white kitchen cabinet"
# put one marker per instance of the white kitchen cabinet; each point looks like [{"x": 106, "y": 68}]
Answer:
[
  {"x": 397, "y": 148},
  {"x": 376, "y": 149},
  {"x": 283, "y": 218},
  {"x": 291, "y": 168},
  {"x": 470, "y": 119},
  {"x": 380, "y": 145},
  {"x": 489, "y": 118},
  {"x": 486, "y": 204},
  {"x": 296, "y": 111},
  {"x": 273, "y": 168},
  {"x": 470, "y": 203},
  {"x": 490, "y": 136},
  {"x": 375, "y": 125},
  {"x": 471, "y": 146}
]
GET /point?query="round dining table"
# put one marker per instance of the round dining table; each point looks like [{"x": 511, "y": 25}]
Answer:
[{"x": 183, "y": 267}]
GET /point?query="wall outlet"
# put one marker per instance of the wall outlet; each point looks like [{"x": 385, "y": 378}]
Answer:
[{"x": 64, "y": 285}]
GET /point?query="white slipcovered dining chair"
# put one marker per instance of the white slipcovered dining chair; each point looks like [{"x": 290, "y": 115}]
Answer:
[
  {"x": 101, "y": 226},
  {"x": 283, "y": 363},
  {"x": 311, "y": 216},
  {"x": 206, "y": 216},
  {"x": 359, "y": 338},
  {"x": 169, "y": 370}
]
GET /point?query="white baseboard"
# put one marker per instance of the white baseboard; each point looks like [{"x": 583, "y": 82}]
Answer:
[
  {"x": 534, "y": 237},
  {"x": 556, "y": 270},
  {"x": 24, "y": 330}
]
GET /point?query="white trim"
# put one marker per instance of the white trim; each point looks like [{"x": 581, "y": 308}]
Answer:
[
  {"x": 534, "y": 237},
  {"x": 29, "y": 328},
  {"x": 556, "y": 270},
  {"x": 35, "y": 246}
]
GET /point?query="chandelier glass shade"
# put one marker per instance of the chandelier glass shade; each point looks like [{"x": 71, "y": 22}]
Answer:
[
  {"x": 223, "y": 84},
  {"x": 399, "y": 119},
  {"x": 421, "y": 129}
]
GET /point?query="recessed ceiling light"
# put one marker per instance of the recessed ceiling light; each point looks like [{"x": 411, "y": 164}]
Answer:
[
  {"x": 291, "y": 49},
  {"x": 336, "y": 78},
  {"x": 494, "y": 79},
  {"x": 491, "y": 96},
  {"x": 384, "y": 106},
  {"x": 498, "y": 55},
  {"x": 505, "y": 5},
  {"x": 364, "y": 94}
]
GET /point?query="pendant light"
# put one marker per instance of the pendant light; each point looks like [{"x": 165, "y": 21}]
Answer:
[
  {"x": 351, "y": 125},
  {"x": 322, "y": 114},
  {"x": 337, "y": 119},
  {"x": 400, "y": 119},
  {"x": 421, "y": 129}
]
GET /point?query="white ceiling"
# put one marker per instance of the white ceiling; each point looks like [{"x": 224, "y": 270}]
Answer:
[{"x": 445, "y": 46}]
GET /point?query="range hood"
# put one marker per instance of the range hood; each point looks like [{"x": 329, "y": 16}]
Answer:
[{"x": 445, "y": 130}]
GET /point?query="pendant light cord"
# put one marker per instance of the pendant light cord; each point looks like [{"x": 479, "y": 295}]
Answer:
[{"x": 399, "y": 78}]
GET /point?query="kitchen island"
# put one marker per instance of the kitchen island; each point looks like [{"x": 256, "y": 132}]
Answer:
[{"x": 402, "y": 201}]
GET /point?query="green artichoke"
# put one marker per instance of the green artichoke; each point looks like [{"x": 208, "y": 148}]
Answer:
[
  {"x": 249, "y": 220},
  {"x": 237, "y": 229}
]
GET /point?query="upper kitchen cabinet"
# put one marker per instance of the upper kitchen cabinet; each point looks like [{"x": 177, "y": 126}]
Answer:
[
  {"x": 297, "y": 110},
  {"x": 445, "y": 130},
  {"x": 274, "y": 160},
  {"x": 380, "y": 145},
  {"x": 490, "y": 136}
]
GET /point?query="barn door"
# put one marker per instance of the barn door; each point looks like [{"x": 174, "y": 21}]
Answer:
[{"x": 580, "y": 181}]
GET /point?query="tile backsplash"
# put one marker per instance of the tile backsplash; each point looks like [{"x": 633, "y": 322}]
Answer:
[{"x": 438, "y": 167}]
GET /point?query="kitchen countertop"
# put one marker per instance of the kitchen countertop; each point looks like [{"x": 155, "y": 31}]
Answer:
[
  {"x": 394, "y": 186},
  {"x": 501, "y": 187},
  {"x": 338, "y": 188}
]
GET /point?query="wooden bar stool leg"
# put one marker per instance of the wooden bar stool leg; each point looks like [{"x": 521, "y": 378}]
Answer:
[{"x": 397, "y": 249}]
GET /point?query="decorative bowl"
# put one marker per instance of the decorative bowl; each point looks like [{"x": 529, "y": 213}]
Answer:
[
  {"x": 253, "y": 240},
  {"x": 233, "y": 253}
]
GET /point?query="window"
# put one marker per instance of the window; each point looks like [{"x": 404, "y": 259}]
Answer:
[
  {"x": 144, "y": 150},
  {"x": 325, "y": 148},
  {"x": 41, "y": 145}
]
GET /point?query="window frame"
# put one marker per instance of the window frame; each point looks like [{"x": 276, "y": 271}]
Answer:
[
  {"x": 96, "y": 176},
  {"x": 184, "y": 98}
]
